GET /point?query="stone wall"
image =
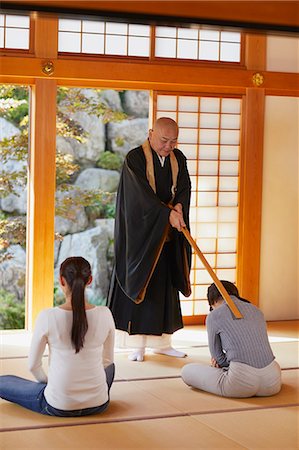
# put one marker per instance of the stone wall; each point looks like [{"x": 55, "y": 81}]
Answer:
[{"x": 86, "y": 236}]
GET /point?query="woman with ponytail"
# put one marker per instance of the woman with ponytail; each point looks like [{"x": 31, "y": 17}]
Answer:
[{"x": 80, "y": 337}]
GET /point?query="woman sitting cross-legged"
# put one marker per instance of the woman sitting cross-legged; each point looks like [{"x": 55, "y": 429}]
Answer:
[
  {"x": 80, "y": 337},
  {"x": 242, "y": 363}
]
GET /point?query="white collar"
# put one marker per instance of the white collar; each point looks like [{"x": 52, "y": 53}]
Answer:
[{"x": 161, "y": 159}]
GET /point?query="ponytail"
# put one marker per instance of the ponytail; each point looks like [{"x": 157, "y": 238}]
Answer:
[{"x": 77, "y": 271}]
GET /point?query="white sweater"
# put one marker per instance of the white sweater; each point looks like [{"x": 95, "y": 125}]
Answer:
[{"x": 75, "y": 380}]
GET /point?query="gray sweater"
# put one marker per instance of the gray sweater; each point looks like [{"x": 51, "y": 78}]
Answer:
[{"x": 242, "y": 340}]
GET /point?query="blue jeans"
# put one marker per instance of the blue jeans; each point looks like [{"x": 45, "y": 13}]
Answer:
[{"x": 30, "y": 395}]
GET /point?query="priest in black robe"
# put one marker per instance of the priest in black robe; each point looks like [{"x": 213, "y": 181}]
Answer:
[{"x": 152, "y": 256}]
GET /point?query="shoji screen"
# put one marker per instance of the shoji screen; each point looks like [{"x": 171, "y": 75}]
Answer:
[{"x": 209, "y": 136}]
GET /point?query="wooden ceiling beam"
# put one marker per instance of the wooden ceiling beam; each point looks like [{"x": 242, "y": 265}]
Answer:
[{"x": 273, "y": 16}]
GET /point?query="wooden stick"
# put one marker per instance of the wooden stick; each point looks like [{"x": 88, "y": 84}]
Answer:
[{"x": 218, "y": 283}]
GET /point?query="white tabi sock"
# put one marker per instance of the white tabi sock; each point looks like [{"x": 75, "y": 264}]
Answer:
[
  {"x": 137, "y": 355},
  {"x": 169, "y": 351}
]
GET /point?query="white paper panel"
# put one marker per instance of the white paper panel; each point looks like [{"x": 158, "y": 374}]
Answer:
[
  {"x": 207, "y": 230},
  {"x": 116, "y": 45},
  {"x": 206, "y": 245},
  {"x": 208, "y": 167},
  {"x": 230, "y": 137},
  {"x": 227, "y": 230},
  {"x": 211, "y": 258},
  {"x": 188, "y": 119},
  {"x": 209, "y": 35},
  {"x": 187, "y": 307},
  {"x": 139, "y": 30},
  {"x": 209, "y": 120},
  {"x": 227, "y": 214},
  {"x": 230, "y": 121},
  {"x": 170, "y": 114},
  {"x": 139, "y": 46},
  {"x": 226, "y": 274},
  {"x": 230, "y": 52},
  {"x": 207, "y": 183},
  {"x": 228, "y": 183},
  {"x": 231, "y": 105},
  {"x": 228, "y": 199},
  {"x": 188, "y": 33},
  {"x": 93, "y": 26},
  {"x": 208, "y": 136},
  {"x": 207, "y": 214},
  {"x": 208, "y": 151},
  {"x": 116, "y": 28},
  {"x": 192, "y": 167},
  {"x": 230, "y": 36},
  {"x": 226, "y": 260},
  {"x": 201, "y": 307},
  {"x": 165, "y": 48},
  {"x": 17, "y": 38},
  {"x": 188, "y": 104},
  {"x": 227, "y": 245},
  {"x": 229, "y": 152},
  {"x": 1, "y": 37},
  {"x": 207, "y": 199},
  {"x": 189, "y": 150},
  {"x": 229, "y": 168},
  {"x": 209, "y": 51},
  {"x": 93, "y": 43},
  {"x": 166, "y": 31},
  {"x": 203, "y": 277},
  {"x": 69, "y": 25},
  {"x": 188, "y": 135},
  {"x": 187, "y": 49},
  {"x": 209, "y": 104},
  {"x": 69, "y": 42},
  {"x": 17, "y": 21}
]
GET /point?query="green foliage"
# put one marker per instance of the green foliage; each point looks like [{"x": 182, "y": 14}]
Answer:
[
  {"x": 12, "y": 312},
  {"x": 97, "y": 204},
  {"x": 12, "y": 231},
  {"x": 98, "y": 301},
  {"x": 119, "y": 141},
  {"x": 59, "y": 298},
  {"x": 14, "y": 103},
  {"x": 109, "y": 160},
  {"x": 65, "y": 168}
]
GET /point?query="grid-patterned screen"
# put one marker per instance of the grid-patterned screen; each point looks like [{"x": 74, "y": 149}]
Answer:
[
  {"x": 209, "y": 136},
  {"x": 198, "y": 44},
  {"x": 14, "y": 31},
  {"x": 106, "y": 38}
]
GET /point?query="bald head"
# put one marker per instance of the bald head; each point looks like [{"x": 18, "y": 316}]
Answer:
[{"x": 164, "y": 135}]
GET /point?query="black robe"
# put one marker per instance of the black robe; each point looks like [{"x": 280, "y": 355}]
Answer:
[{"x": 141, "y": 219}]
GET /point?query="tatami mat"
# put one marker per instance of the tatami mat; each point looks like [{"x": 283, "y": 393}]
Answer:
[
  {"x": 271, "y": 429},
  {"x": 175, "y": 433},
  {"x": 151, "y": 408}
]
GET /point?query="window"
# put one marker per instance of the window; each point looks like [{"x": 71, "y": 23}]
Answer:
[
  {"x": 14, "y": 110},
  {"x": 14, "y": 31},
  {"x": 197, "y": 44},
  {"x": 209, "y": 136},
  {"x": 103, "y": 38}
]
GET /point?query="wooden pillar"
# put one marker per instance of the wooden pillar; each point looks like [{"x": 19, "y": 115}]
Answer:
[
  {"x": 251, "y": 173},
  {"x": 41, "y": 201},
  {"x": 41, "y": 176}
]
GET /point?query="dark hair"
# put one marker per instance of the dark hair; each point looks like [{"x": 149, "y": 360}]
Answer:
[
  {"x": 77, "y": 271},
  {"x": 214, "y": 294}
]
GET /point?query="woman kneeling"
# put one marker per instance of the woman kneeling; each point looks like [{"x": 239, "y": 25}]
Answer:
[{"x": 242, "y": 362}]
